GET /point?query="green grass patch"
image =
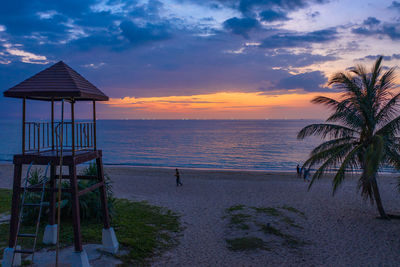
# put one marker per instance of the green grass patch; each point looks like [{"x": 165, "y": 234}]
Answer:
[
  {"x": 142, "y": 229},
  {"x": 239, "y": 218},
  {"x": 268, "y": 229},
  {"x": 291, "y": 222},
  {"x": 243, "y": 226},
  {"x": 271, "y": 225},
  {"x": 268, "y": 210},
  {"x": 288, "y": 240},
  {"x": 294, "y": 210},
  {"x": 5, "y": 200},
  {"x": 235, "y": 208},
  {"x": 246, "y": 243}
]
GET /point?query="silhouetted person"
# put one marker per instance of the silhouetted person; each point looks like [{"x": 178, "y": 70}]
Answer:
[
  {"x": 178, "y": 178},
  {"x": 298, "y": 170}
]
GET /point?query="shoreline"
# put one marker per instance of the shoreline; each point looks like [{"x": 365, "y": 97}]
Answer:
[
  {"x": 266, "y": 171},
  {"x": 121, "y": 172}
]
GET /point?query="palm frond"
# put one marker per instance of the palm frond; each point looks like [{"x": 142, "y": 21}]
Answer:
[
  {"x": 375, "y": 73},
  {"x": 361, "y": 74},
  {"x": 332, "y": 161},
  {"x": 386, "y": 81},
  {"x": 332, "y": 143},
  {"x": 389, "y": 110},
  {"x": 350, "y": 162},
  {"x": 324, "y": 155},
  {"x": 392, "y": 127},
  {"x": 349, "y": 117},
  {"x": 352, "y": 86},
  {"x": 326, "y": 101},
  {"x": 392, "y": 157},
  {"x": 325, "y": 129},
  {"x": 346, "y": 82}
]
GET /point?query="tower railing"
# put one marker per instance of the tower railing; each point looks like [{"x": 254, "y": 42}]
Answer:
[{"x": 39, "y": 136}]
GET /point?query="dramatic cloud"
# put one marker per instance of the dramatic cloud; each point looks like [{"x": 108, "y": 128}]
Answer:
[
  {"x": 272, "y": 15},
  {"x": 148, "y": 33},
  {"x": 395, "y": 5},
  {"x": 372, "y": 27},
  {"x": 299, "y": 39},
  {"x": 247, "y": 6},
  {"x": 285, "y": 59},
  {"x": 241, "y": 26},
  {"x": 386, "y": 58},
  {"x": 309, "y": 81}
]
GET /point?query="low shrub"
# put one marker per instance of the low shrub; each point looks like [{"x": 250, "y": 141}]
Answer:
[{"x": 89, "y": 204}]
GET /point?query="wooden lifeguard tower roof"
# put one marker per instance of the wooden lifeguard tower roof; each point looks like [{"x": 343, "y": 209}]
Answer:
[{"x": 57, "y": 82}]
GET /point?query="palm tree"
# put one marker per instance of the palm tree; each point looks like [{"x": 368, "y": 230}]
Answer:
[{"x": 361, "y": 131}]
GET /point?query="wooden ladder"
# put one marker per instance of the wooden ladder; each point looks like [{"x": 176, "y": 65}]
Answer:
[{"x": 40, "y": 189}]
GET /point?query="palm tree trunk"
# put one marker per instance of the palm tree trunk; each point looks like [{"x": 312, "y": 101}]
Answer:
[{"x": 378, "y": 199}]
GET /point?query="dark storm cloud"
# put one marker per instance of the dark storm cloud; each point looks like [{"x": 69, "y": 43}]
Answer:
[
  {"x": 251, "y": 7},
  {"x": 299, "y": 39},
  {"x": 309, "y": 81},
  {"x": 374, "y": 27},
  {"x": 254, "y": 10},
  {"x": 395, "y": 5},
  {"x": 287, "y": 59},
  {"x": 68, "y": 20},
  {"x": 23, "y": 17},
  {"x": 241, "y": 26},
  {"x": 138, "y": 35},
  {"x": 270, "y": 15},
  {"x": 386, "y": 58},
  {"x": 247, "y": 6}
]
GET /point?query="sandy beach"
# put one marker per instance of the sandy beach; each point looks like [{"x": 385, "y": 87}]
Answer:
[{"x": 340, "y": 230}]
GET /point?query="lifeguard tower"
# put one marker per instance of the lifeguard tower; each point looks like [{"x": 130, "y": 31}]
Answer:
[{"x": 55, "y": 143}]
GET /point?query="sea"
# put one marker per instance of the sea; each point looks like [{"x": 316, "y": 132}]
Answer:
[
  {"x": 266, "y": 145},
  {"x": 211, "y": 144}
]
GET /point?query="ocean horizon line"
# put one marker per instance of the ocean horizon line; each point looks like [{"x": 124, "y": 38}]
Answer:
[{"x": 183, "y": 119}]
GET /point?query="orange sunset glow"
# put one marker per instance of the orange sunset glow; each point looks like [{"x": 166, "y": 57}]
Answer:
[{"x": 237, "y": 105}]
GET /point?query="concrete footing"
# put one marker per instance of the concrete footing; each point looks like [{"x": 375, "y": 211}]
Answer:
[
  {"x": 79, "y": 259},
  {"x": 109, "y": 240},
  {"x": 8, "y": 257},
  {"x": 50, "y": 234}
]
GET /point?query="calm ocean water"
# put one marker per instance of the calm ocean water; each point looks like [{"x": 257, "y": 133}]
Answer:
[{"x": 217, "y": 144}]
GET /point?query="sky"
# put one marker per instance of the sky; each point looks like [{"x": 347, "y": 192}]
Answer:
[{"x": 191, "y": 59}]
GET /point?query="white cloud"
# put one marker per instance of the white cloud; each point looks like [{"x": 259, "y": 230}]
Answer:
[
  {"x": 26, "y": 57},
  {"x": 94, "y": 65},
  {"x": 47, "y": 14},
  {"x": 105, "y": 6},
  {"x": 253, "y": 44},
  {"x": 238, "y": 51},
  {"x": 3, "y": 60},
  {"x": 2, "y": 28}
]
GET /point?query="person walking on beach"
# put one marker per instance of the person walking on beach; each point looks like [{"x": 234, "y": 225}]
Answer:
[
  {"x": 178, "y": 178},
  {"x": 298, "y": 170}
]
